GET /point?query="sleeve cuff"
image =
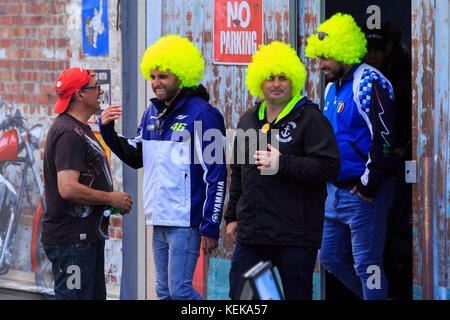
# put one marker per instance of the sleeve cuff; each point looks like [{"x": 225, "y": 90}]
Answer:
[
  {"x": 229, "y": 219},
  {"x": 365, "y": 191}
]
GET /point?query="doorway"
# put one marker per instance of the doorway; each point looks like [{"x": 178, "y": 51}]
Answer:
[{"x": 394, "y": 18}]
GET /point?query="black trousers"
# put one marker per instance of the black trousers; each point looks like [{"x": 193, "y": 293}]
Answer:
[{"x": 295, "y": 265}]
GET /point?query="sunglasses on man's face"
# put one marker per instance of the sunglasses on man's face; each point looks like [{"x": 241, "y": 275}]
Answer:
[
  {"x": 97, "y": 86},
  {"x": 321, "y": 35}
]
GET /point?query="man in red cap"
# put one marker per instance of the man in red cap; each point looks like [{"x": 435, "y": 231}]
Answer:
[{"x": 78, "y": 189}]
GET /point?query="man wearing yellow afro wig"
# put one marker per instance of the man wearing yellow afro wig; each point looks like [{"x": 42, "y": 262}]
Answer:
[
  {"x": 177, "y": 55},
  {"x": 359, "y": 103},
  {"x": 184, "y": 176},
  {"x": 276, "y": 205}
]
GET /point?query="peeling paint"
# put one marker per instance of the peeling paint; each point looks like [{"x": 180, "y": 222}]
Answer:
[
  {"x": 308, "y": 21},
  {"x": 431, "y": 233}
]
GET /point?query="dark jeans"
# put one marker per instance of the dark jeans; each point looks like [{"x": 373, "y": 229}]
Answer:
[
  {"x": 295, "y": 265},
  {"x": 78, "y": 270},
  {"x": 353, "y": 240}
]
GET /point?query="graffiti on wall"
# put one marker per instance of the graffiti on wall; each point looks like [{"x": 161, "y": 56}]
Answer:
[{"x": 19, "y": 178}]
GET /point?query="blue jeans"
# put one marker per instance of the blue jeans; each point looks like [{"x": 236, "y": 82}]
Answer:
[
  {"x": 78, "y": 271},
  {"x": 295, "y": 266},
  {"x": 175, "y": 253},
  {"x": 354, "y": 237}
]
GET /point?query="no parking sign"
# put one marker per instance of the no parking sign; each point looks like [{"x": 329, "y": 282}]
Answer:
[{"x": 237, "y": 30}]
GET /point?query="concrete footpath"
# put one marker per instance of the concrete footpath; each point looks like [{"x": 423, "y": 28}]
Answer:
[
  {"x": 21, "y": 285},
  {"x": 9, "y": 294}
]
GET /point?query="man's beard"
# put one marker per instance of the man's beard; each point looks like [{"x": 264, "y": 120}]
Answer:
[
  {"x": 336, "y": 74},
  {"x": 171, "y": 94}
]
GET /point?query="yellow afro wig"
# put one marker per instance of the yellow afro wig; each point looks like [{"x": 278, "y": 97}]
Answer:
[
  {"x": 342, "y": 40},
  {"x": 275, "y": 58},
  {"x": 177, "y": 55}
]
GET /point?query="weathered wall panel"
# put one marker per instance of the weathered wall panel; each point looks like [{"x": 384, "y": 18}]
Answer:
[
  {"x": 430, "y": 148},
  {"x": 308, "y": 21},
  {"x": 442, "y": 151}
]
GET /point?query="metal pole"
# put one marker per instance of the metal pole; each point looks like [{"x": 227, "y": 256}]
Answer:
[
  {"x": 142, "y": 99},
  {"x": 293, "y": 25}
]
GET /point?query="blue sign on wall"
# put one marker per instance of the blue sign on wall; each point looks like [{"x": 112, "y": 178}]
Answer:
[{"x": 95, "y": 27}]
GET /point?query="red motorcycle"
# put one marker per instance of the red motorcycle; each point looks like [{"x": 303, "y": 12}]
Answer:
[{"x": 17, "y": 143}]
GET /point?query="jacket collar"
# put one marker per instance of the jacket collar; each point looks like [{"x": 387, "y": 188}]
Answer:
[
  {"x": 287, "y": 109},
  {"x": 348, "y": 77},
  {"x": 290, "y": 111}
]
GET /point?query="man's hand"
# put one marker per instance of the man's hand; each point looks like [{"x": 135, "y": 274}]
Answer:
[
  {"x": 231, "y": 231},
  {"x": 122, "y": 201},
  {"x": 355, "y": 189},
  {"x": 209, "y": 244},
  {"x": 267, "y": 160},
  {"x": 111, "y": 113}
]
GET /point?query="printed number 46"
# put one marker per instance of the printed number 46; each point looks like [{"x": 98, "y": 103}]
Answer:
[{"x": 178, "y": 126}]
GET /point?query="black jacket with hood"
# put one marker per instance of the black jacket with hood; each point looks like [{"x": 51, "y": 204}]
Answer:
[{"x": 286, "y": 208}]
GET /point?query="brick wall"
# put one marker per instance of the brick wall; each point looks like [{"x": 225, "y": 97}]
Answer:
[{"x": 33, "y": 51}]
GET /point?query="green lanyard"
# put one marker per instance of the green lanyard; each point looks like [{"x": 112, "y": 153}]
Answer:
[{"x": 285, "y": 112}]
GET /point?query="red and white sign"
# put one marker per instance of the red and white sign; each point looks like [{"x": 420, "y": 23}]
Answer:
[{"x": 238, "y": 30}]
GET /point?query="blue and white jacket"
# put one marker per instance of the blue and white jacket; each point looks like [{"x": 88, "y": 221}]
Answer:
[
  {"x": 361, "y": 111},
  {"x": 184, "y": 161}
]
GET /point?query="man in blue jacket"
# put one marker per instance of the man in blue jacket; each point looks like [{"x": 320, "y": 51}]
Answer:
[
  {"x": 184, "y": 173},
  {"x": 359, "y": 104}
]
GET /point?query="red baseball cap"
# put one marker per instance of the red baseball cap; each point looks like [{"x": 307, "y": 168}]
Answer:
[{"x": 68, "y": 82}]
